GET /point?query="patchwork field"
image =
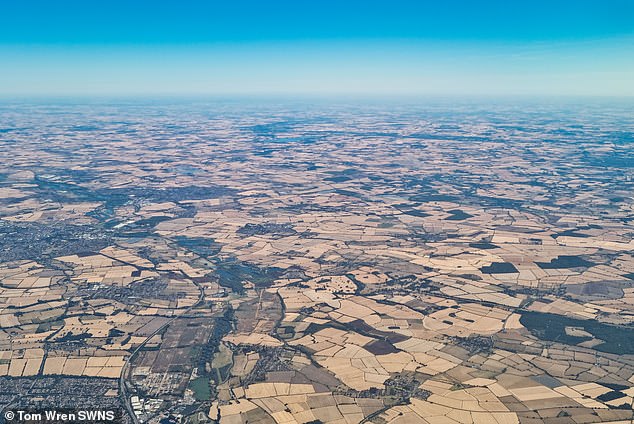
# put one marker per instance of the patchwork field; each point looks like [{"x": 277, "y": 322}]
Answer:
[{"x": 343, "y": 264}]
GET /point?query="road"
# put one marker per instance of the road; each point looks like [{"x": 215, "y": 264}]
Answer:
[{"x": 123, "y": 390}]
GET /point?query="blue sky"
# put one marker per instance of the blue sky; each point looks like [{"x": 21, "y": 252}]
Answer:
[{"x": 448, "y": 47}]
